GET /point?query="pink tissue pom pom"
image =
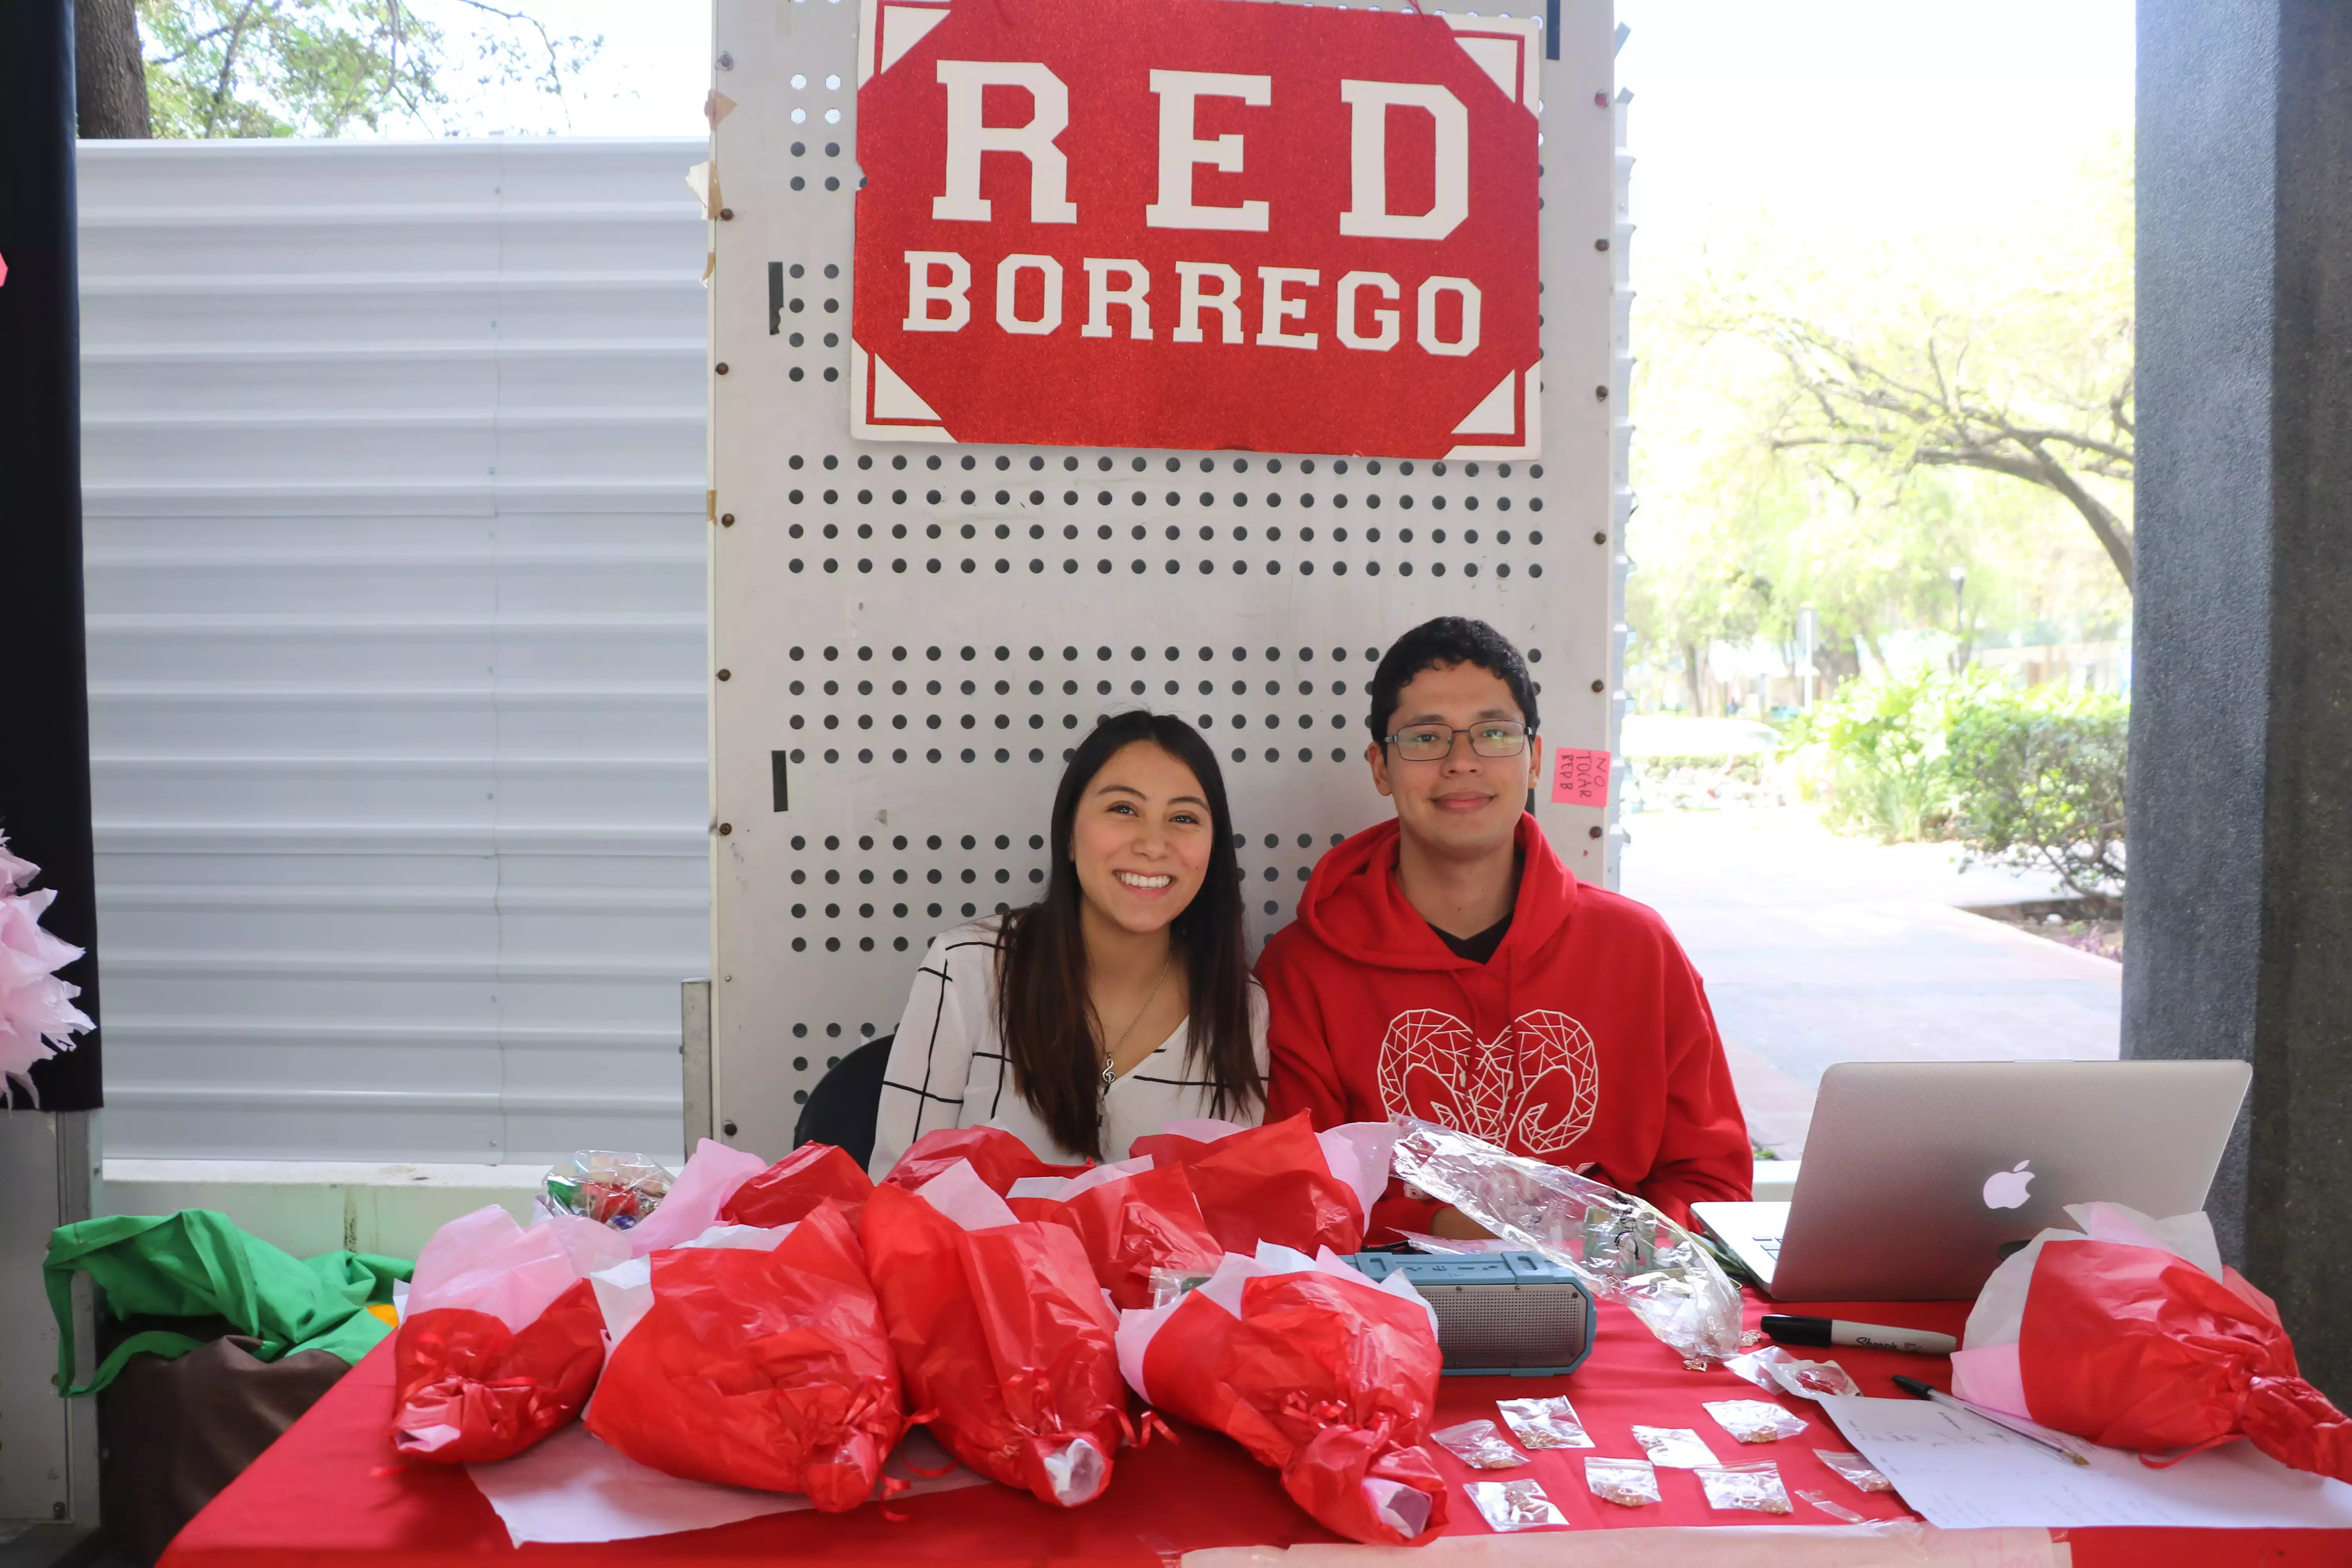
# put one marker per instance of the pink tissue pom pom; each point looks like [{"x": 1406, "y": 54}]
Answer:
[{"x": 37, "y": 1017}]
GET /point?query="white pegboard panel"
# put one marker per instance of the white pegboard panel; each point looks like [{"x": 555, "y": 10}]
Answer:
[{"x": 907, "y": 637}]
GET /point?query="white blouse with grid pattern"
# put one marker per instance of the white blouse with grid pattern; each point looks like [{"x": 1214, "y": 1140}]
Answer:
[{"x": 948, "y": 1068}]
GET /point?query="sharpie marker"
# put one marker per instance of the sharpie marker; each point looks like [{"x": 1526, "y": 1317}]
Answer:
[{"x": 1790, "y": 1331}]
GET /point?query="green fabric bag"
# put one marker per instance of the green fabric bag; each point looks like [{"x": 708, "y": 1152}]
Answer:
[{"x": 197, "y": 1263}]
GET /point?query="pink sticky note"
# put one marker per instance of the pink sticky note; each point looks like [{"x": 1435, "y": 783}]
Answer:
[{"x": 1579, "y": 778}]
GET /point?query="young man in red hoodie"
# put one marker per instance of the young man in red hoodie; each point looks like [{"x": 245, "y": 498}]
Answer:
[{"x": 1446, "y": 964}]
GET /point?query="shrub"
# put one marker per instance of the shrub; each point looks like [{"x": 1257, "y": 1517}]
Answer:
[
  {"x": 2037, "y": 781},
  {"x": 1879, "y": 748}
]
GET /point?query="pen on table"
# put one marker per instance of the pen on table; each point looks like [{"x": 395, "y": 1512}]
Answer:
[
  {"x": 1918, "y": 1390},
  {"x": 1792, "y": 1331}
]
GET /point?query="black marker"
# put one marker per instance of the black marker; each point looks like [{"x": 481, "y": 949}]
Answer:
[{"x": 1790, "y": 1331}]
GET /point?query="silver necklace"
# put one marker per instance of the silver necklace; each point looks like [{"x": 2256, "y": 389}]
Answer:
[{"x": 1111, "y": 1056}]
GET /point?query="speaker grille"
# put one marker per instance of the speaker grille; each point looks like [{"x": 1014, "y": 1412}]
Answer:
[{"x": 1508, "y": 1325}]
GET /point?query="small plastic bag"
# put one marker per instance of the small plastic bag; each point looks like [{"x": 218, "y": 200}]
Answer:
[
  {"x": 1676, "y": 1447},
  {"x": 1479, "y": 1445},
  {"x": 1756, "y": 1366},
  {"x": 1755, "y": 1420},
  {"x": 1544, "y": 1422},
  {"x": 1754, "y": 1488},
  {"x": 1859, "y": 1471},
  {"x": 1514, "y": 1505},
  {"x": 1835, "y": 1510},
  {"x": 1811, "y": 1379},
  {"x": 1628, "y": 1483},
  {"x": 607, "y": 1187}
]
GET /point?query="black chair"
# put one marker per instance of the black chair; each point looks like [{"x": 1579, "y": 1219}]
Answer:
[{"x": 842, "y": 1108}]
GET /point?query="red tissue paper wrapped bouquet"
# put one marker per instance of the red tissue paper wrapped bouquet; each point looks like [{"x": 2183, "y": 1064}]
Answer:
[
  {"x": 753, "y": 1357},
  {"x": 1283, "y": 1182},
  {"x": 995, "y": 1156},
  {"x": 499, "y": 1340},
  {"x": 2132, "y": 1332},
  {"x": 1318, "y": 1372},
  {"x": 787, "y": 1190},
  {"x": 1003, "y": 1335},
  {"x": 1133, "y": 1219}
]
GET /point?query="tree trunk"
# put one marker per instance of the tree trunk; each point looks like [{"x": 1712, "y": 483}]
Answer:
[
  {"x": 1690, "y": 669},
  {"x": 110, "y": 79}
]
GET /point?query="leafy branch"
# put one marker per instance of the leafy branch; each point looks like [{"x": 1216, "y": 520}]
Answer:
[{"x": 1929, "y": 409}]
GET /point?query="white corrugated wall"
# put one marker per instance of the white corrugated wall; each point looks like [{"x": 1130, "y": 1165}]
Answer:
[{"x": 393, "y": 460}]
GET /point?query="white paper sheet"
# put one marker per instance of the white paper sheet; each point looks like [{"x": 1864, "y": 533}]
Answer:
[
  {"x": 572, "y": 1489},
  {"x": 1962, "y": 1473}
]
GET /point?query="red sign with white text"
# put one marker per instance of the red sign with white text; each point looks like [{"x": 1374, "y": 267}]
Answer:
[{"x": 1196, "y": 224}]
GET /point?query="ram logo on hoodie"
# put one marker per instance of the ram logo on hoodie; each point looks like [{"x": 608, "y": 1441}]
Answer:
[{"x": 1533, "y": 1088}]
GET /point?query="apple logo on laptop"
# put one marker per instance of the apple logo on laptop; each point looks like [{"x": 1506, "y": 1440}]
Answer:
[{"x": 2006, "y": 1189}]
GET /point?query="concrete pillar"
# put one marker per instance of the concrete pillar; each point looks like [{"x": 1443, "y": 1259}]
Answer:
[{"x": 2239, "y": 924}]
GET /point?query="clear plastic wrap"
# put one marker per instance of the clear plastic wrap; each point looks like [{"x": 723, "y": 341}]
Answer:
[
  {"x": 1754, "y": 1488},
  {"x": 607, "y": 1187},
  {"x": 1675, "y": 1447},
  {"x": 1835, "y": 1510},
  {"x": 1756, "y": 1366},
  {"x": 1618, "y": 1246},
  {"x": 1168, "y": 1286},
  {"x": 1544, "y": 1422},
  {"x": 1628, "y": 1483},
  {"x": 1755, "y": 1420},
  {"x": 1480, "y": 1445},
  {"x": 1857, "y": 1469},
  {"x": 1514, "y": 1505}
]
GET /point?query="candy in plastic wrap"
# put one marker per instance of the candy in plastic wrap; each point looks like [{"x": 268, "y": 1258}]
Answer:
[
  {"x": 1836, "y": 1511},
  {"x": 1628, "y": 1483},
  {"x": 1754, "y": 1488},
  {"x": 1754, "y": 1420},
  {"x": 1857, "y": 1469},
  {"x": 1811, "y": 1379},
  {"x": 1618, "y": 1244},
  {"x": 1479, "y": 1445},
  {"x": 1514, "y": 1505},
  {"x": 1544, "y": 1422},
  {"x": 608, "y": 1187},
  {"x": 1676, "y": 1447}
]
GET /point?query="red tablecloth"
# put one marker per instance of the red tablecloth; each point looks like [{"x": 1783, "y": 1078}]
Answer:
[{"x": 332, "y": 1494}]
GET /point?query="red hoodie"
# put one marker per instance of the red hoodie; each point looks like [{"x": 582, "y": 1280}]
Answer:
[{"x": 1585, "y": 1040}]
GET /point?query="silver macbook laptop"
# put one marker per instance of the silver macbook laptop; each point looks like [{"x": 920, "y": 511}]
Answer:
[{"x": 1916, "y": 1174}]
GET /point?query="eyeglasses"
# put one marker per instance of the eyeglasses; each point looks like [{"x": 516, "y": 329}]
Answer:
[{"x": 1434, "y": 743}]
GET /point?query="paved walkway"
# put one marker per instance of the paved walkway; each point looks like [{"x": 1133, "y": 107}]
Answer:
[{"x": 1817, "y": 948}]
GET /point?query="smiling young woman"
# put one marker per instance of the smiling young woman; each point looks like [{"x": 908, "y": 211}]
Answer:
[{"x": 1121, "y": 1001}]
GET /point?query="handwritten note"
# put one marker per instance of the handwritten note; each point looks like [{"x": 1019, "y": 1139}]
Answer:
[
  {"x": 1579, "y": 778},
  {"x": 1960, "y": 1473}
]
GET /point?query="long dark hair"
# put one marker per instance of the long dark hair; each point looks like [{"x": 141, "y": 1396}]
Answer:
[{"x": 1043, "y": 1007}]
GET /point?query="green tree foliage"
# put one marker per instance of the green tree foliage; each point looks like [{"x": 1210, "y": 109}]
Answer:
[
  {"x": 325, "y": 68},
  {"x": 1845, "y": 428},
  {"x": 2037, "y": 781}
]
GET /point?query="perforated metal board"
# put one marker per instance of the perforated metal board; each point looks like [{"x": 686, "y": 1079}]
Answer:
[{"x": 905, "y": 638}]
